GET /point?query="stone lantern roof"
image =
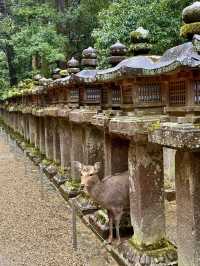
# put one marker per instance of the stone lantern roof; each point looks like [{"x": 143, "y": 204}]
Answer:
[
  {"x": 73, "y": 66},
  {"x": 118, "y": 53},
  {"x": 118, "y": 49},
  {"x": 89, "y": 53},
  {"x": 37, "y": 77},
  {"x": 191, "y": 19},
  {"x": 191, "y": 13},
  {"x": 56, "y": 70},
  {"x": 73, "y": 62},
  {"x": 184, "y": 55},
  {"x": 89, "y": 58},
  {"x": 56, "y": 73}
]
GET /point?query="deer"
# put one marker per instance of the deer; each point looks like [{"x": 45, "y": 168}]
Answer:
[{"x": 111, "y": 193}]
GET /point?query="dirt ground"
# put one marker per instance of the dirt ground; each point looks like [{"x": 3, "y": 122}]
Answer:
[{"x": 35, "y": 221}]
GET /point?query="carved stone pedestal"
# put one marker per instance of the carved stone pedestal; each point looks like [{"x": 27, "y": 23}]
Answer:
[
  {"x": 188, "y": 207},
  {"x": 76, "y": 149},
  {"x": 56, "y": 142},
  {"x": 48, "y": 129},
  {"x": 65, "y": 143},
  {"x": 41, "y": 135},
  {"x": 149, "y": 243}
]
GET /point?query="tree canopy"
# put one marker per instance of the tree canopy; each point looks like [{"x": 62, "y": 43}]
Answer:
[
  {"x": 161, "y": 17},
  {"x": 38, "y": 35}
]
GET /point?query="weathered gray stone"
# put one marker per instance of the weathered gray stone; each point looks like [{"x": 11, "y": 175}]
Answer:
[
  {"x": 77, "y": 134},
  {"x": 56, "y": 142},
  {"x": 41, "y": 135},
  {"x": 177, "y": 136},
  {"x": 147, "y": 193},
  {"x": 65, "y": 143},
  {"x": 48, "y": 129},
  {"x": 188, "y": 208}
]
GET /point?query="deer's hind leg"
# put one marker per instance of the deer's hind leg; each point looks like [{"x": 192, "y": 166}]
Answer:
[
  {"x": 110, "y": 216},
  {"x": 117, "y": 216}
]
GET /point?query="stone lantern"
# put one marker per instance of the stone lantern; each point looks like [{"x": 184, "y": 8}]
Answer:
[
  {"x": 64, "y": 73},
  {"x": 73, "y": 66},
  {"x": 140, "y": 42},
  {"x": 56, "y": 73},
  {"x": 37, "y": 78},
  {"x": 118, "y": 53},
  {"x": 191, "y": 19},
  {"x": 89, "y": 58}
]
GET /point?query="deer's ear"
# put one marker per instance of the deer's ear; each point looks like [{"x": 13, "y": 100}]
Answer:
[
  {"x": 77, "y": 165},
  {"x": 97, "y": 166}
]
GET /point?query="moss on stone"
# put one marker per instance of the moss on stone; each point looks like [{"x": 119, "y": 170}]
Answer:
[
  {"x": 72, "y": 185},
  {"x": 188, "y": 30},
  {"x": 139, "y": 35},
  {"x": 168, "y": 184},
  {"x": 135, "y": 36},
  {"x": 61, "y": 171},
  {"x": 196, "y": 125},
  {"x": 158, "y": 249},
  {"x": 24, "y": 87},
  {"x": 64, "y": 73},
  {"x": 28, "y": 145},
  {"x": 46, "y": 162},
  {"x": 154, "y": 126},
  {"x": 36, "y": 153},
  {"x": 102, "y": 216},
  {"x": 140, "y": 47}
]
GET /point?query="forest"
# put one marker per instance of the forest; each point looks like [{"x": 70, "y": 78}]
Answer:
[{"x": 38, "y": 35}]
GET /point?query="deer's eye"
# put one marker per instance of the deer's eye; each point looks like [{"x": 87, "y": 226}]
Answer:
[{"x": 90, "y": 174}]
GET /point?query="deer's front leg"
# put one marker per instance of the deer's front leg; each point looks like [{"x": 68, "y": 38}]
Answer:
[
  {"x": 110, "y": 238},
  {"x": 118, "y": 217}
]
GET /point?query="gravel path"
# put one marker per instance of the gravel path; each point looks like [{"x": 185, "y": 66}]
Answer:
[{"x": 35, "y": 223}]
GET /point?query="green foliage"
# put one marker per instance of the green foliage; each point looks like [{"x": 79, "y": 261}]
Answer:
[
  {"x": 23, "y": 87},
  {"x": 4, "y": 81},
  {"x": 37, "y": 36},
  {"x": 31, "y": 30},
  {"x": 7, "y": 27},
  {"x": 42, "y": 42},
  {"x": 78, "y": 23},
  {"x": 114, "y": 24},
  {"x": 41, "y": 36},
  {"x": 161, "y": 17}
]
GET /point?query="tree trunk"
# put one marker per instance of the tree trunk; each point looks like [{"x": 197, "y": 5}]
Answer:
[
  {"x": 60, "y": 4},
  {"x": 3, "y": 9},
  {"x": 36, "y": 62},
  {"x": 10, "y": 54},
  {"x": 45, "y": 68},
  {"x": 9, "y": 50}
]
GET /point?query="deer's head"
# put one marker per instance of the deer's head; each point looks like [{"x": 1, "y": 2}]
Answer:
[{"x": 89, "y": 173}]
